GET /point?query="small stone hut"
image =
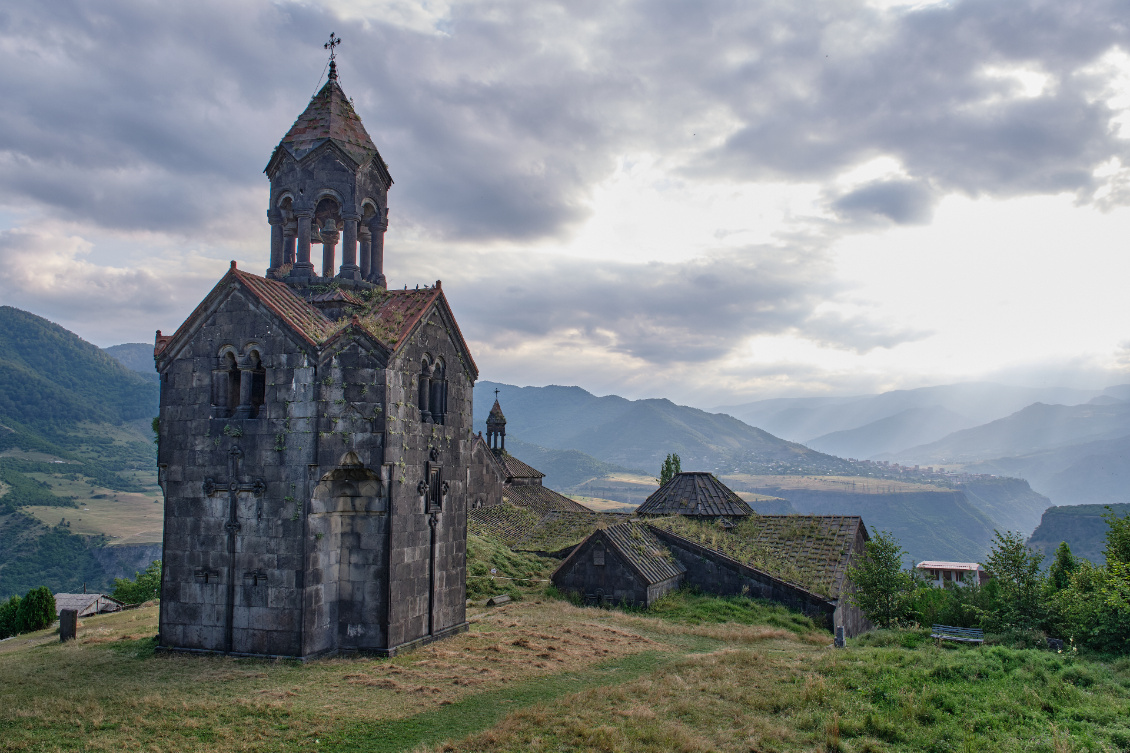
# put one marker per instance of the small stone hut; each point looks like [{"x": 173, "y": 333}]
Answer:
[
  {"x": 87, "y": 604},
  {"x": 622, "y": 564},
  {"x": 696, "y": 494}
]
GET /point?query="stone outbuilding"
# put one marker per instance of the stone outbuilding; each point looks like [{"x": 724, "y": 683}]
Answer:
[
  {"x": 87, "y": 604},
  {"x": 696, "y": 494},
  {"x": 623, "y": 564},
  {"x": 315, "y": 429}
]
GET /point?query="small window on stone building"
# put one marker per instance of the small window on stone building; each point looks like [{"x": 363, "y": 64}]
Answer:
[
  {"x": 435, "y": 488},
  {"x": 225, "y": 386},
  {"x": 258, "y": 384},
  {"x": 598, "y": 553},
  {"x": 425, "y": 389},
  {"x": 438, "y": 402}
]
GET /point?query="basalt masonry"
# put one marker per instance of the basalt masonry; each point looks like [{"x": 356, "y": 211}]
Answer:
[{"x": 315, "y": 431}]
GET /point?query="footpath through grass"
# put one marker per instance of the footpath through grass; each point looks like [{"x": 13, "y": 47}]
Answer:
[{"x": 697, "y": 674}]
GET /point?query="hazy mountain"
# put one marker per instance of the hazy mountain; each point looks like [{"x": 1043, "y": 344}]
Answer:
[
  {"x": 135, "y": 357},
  {"x": 634, "y": 434},
  {"x": 801, "y": 418},
  {"x": 911, "y": 427},
  {"x": 1081, "y": 526},
  {"x": 1036, "y": 428},
  {"x": 563, "y": 469}
]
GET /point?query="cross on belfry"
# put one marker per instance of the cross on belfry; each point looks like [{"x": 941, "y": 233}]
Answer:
[
  {"x": 330, "y": 45},
  {"x": 496, "y": 394}
]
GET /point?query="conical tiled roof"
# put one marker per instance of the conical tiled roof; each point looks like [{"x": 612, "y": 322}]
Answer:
[
  {"x": 495, "y": 416},
  {"x": 330, "y": 117},
  {"x": 698, "y": 494}
]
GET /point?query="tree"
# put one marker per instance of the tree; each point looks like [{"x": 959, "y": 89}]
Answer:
[
  {"x": 1117, "y": 538},
  {"x": 8, "y": 611},
  {"x": 1063, "y": 567},
  {"x": 1017, "y": 569},
  {"x": 145, "y": 586},
  {"x": 671, "y": 466},
  {"x": 882, "y": 587},
  {"x": 36, "y": 610}
]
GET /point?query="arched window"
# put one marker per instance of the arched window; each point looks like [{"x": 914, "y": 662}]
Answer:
[
  {"x": 425, "y": 389},
  {"x": 438, "y": 402},
  {"x": 258, "y": 383}
]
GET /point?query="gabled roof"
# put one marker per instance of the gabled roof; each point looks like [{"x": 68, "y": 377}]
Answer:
[
  {"x": 697, "y": 494},
  {"x": 643, "y": 551},
  {"x": 515, "y": 468},
  {"x": 540, "y": 498},
  {"x": 811, "y": 551},
  {"x": 637, "y": 546},
  {"x": 330, "y": 117},
  {"x": 388, "y": 317},
  {"x": 86, "y": 604}
]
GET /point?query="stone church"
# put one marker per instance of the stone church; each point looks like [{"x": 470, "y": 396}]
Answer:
[{"x": 315, "y": 428}]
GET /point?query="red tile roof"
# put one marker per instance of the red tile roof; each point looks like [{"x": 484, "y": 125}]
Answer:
[{"x": 330, "y": 116}]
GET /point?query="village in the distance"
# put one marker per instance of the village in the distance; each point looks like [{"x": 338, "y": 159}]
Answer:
[{"x": 300, "y": 519}]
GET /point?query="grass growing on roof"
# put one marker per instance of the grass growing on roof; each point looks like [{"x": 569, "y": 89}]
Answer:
[
  {"x": 689, "y": 607},
  {"x": 517, "y": 573},
  {"x": 798, "y": 549}
]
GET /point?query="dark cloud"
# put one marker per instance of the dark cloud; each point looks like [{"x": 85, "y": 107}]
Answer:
[
  {"x": 665, "y": 313},
  {"x": 129, "y": 114},
  {"x": 904, "y": 202}
]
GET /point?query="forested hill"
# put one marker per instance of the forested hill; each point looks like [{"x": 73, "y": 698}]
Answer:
[
  {"x": 638, "y": 434},
  {"x": 53, "y": 379}
]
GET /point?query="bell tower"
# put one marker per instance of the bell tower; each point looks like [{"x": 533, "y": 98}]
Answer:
[
  {"x": 496, "y": 427},
  {"x": 329, "y": 186}
]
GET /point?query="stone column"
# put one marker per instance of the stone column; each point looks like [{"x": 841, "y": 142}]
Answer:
[
  {"x": 329, "y": 235},
  {"x": 275, "y": 219},
  {"x": 349, "y": 269},
  {"x": 68, "y": 625},
  {"x": 246, "y": 374},
  {"x": 290, "y": 229},
  {"x": 303, "y": 267},
  {"x": 366, "y": 238},
  {"x": 377, "y": 266}
]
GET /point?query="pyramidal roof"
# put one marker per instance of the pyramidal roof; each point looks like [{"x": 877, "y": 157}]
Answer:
[
  {"x": 694, "y": 494},
  {"x": 330, "y": 117},
  {"x": 495, "y": 415}
]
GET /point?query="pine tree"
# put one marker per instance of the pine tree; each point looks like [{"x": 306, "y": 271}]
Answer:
[{"x": 36, "y": 611}]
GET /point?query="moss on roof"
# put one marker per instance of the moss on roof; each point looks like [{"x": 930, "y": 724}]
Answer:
[{"x": 810, "y": 551}]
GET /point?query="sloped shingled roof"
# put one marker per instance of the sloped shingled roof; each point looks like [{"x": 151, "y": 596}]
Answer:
[
  {"x": 811, "y": 551},
  {"x": 643, "y": 552},
  {"x": 540, "y": 498},
  {"x": 330, "y": 116},
  {"x": 694, "y": 494},
  {"x": 515, "y": 468},
  {"x": 388, "y": 317},
  {"x": 524, "y": 529}
]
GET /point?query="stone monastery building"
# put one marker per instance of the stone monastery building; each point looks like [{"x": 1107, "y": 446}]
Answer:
[{"x": 315, "y": 428}]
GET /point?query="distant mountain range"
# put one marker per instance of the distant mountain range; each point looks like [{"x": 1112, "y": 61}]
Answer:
[
  {"x": 938, "y": 410},
  {"x": 638, "y": 434},
  {"x": 137, "y": 357}
]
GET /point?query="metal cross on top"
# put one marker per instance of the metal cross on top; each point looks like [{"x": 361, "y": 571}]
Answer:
[
  {"x": 496, "y": 394},
  {"x": 330, "y": 45}
]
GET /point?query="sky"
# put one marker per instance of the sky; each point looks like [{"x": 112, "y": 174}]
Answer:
[{"x": 710, "y": 201}]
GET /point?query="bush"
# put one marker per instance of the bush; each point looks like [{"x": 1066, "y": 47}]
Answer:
[
  {"x": 36, "y": 610},
  {"x": 8, "y": 611},
  {"x": 145, "y": 586}
]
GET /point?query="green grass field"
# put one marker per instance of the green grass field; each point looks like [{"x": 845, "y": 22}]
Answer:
[{"x": 695, "y": 674}]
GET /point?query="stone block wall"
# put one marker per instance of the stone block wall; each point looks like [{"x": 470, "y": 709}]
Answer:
[{"x": 615, "y": 580}]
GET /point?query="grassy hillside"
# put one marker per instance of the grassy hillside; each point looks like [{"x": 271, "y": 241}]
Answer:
[
  {"x": 1081, "y": 526},
  {"x": 694, "y": 674},
  {"x": 137, "y": 357},
  {"x": 74, "y": 431}
]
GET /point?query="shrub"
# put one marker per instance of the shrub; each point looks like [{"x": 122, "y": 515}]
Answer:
[
  {"x": 36, "y": 610},
  {"x": 145, "y": 586},
  {"x": 8, "y": 611}
]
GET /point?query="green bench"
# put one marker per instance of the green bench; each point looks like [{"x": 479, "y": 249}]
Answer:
[{"x": 963, "y": 635}]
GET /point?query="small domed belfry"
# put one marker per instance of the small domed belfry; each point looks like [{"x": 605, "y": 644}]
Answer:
[{"x": 315, "y": 428}]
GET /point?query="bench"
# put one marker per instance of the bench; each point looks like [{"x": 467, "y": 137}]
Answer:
[{"x": 950, "y": 633}]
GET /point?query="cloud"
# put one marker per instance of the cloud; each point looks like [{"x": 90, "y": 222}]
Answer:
[
  {"x": 49, "y": 275},
  {"x": 660, "y": 314},
  {"x": 904, "y": 202}
]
